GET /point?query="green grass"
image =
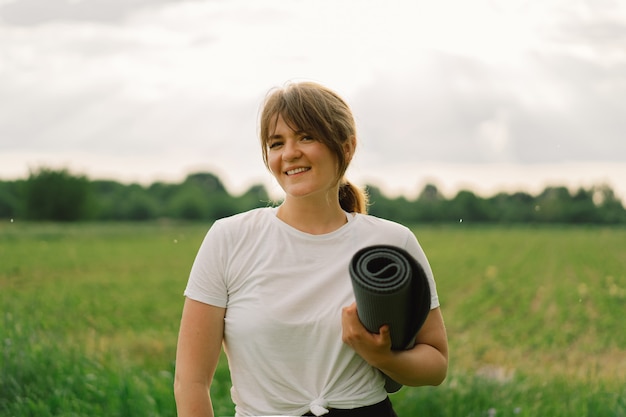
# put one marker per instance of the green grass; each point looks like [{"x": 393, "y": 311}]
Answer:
[{"x": 90, "y": 314}]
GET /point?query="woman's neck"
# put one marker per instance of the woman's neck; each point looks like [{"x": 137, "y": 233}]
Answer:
[{"x": 316, "y": 219}]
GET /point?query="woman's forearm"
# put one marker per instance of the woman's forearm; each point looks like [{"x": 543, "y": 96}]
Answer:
[
  {"x": 197, "y": 354},
  {"x": 422, "y": 365},
  {"x": 193, "y": 400}
]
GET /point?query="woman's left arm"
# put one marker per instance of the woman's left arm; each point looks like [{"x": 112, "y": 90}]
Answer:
[{"x": 424, "y": 364}]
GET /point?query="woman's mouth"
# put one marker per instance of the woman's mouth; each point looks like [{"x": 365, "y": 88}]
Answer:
[{"x": 296, "y": 171}]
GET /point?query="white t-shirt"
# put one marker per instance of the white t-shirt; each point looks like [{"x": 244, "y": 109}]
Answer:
[{"x": 283, "y": 291}]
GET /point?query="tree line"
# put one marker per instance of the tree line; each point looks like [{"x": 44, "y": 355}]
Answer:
[{"x": 58, "y": 195}]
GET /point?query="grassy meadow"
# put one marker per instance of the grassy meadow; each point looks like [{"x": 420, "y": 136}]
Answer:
[{"x": 535, "y": 319}]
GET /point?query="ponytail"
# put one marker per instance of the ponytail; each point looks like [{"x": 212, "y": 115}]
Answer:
[{"x": 352, "y": 198}]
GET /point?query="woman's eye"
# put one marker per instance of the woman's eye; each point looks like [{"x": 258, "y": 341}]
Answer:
[
  {"x": 307, "y": 138},
  {"x": 274, "y": 145}
]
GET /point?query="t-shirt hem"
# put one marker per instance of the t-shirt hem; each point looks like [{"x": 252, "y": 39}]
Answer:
[{"x": 206, "y": 300}]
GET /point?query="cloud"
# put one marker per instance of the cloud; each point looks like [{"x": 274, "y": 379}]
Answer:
[
  {"x": 493, "y": 83},
  {"x": 556, "y": 108},
  {"x": 36, "y": 12}
]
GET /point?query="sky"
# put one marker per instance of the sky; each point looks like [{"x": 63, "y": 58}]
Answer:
[{"x": 484, "y": 95}]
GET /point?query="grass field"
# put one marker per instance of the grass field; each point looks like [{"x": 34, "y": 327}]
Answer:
[{"x": 535, "y": 318}]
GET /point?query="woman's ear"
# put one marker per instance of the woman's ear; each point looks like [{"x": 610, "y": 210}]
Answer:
[{"x": 349, "y": 147}]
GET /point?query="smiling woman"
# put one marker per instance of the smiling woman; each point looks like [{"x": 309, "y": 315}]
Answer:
[
  {"x": 273, "y": 284},
  {"x": 308, "y": 138},
  {"x": 300, "y": 163}
]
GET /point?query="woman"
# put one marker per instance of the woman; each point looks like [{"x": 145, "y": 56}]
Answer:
[{"x": 272, "y": 284}]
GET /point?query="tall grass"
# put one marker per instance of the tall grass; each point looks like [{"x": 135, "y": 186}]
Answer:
[{"x": 90, "y": 314}]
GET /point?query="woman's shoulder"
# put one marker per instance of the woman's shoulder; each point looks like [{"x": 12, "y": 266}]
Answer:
[
  {"x": 366, "y": 224},
  {"x": 247, "y": 225},
  {"x": 254, "y": 218},
  {"x": 368, "y": 220},
  {"x": 250, "y": 217}
]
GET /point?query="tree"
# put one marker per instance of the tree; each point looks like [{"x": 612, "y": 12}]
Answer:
[
  {"x": 553, "y": 204},
  {"x": 429, "y": 204},
  {"x": 60, "y": 196},
  {"x": 381, "y": 206},
  {"x": 208, "y": 182},
  {"x": 138, "y": 204},
  {"x": 189, "y": 203},
  {"x": 108, "y": 196},
  {"x": 255, "y": 196},
  {"x": 56, "y": 195},
  {"x": 609, "y": 207},
  {"x": 10, "y": 205},
  {"x": 516, "y": 207},
  {"x": 582, "y": 208},
  {"x": 467, "y": 206}
]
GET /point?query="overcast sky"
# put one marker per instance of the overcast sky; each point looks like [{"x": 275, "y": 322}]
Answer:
[{"x": 486, "y": 95}]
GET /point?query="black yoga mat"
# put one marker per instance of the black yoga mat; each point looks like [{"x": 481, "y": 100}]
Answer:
[{"x": 390, "y": 287}]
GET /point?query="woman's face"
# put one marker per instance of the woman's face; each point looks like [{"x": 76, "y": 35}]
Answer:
[{"x": 302, "y": 164}]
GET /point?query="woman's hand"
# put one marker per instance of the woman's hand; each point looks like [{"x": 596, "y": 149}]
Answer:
[
  {"x": 374, "y": 348},
  {"x": 424, "y": 364}
]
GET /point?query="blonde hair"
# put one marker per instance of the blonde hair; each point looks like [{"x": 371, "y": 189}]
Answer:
[{"x": 319, "y": 111}]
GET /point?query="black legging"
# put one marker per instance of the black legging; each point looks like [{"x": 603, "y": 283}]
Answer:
[{"x": 381, "y": 409}]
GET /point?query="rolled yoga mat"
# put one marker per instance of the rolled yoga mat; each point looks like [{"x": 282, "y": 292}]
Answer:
[{"x": 390, "y": 287}]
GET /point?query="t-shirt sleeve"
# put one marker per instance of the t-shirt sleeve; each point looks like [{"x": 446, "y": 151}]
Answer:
[
  {"x": 415, "y": 249},
  {"x": 207, "y": 282}
]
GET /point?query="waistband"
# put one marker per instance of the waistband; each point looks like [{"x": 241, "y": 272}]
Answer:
[{"x": 381, "y": 409}]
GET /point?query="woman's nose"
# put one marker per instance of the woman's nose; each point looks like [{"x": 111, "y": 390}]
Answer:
[{"x": 291, "y": 151}]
